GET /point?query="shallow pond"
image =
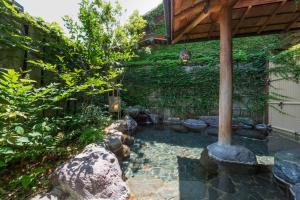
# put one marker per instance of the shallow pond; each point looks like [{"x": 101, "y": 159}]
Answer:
[{"x": 168, "y": 165}]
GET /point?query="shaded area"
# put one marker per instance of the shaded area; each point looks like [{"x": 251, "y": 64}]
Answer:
[{"x": 207, "y": 179}]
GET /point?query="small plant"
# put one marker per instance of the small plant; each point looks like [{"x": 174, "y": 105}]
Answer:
[{"x": 91, "y": 135}]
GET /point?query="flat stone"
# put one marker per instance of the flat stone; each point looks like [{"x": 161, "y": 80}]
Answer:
[
  {"x": 224, "y": 183},
  {"x": 232, "y": 154},
  {"x": 144, "y": 187},
  {"x": 287, "y": 166},
  {"x": 192, "y": 190},
  {"x": 194, "y": 125},
  {"x": 210, "y": 120}
]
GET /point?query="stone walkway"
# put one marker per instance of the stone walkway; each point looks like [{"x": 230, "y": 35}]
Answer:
[{"x": 166, "y": 165}]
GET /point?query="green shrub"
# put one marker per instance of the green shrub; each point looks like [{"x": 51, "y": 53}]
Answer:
[{"x": 91, "y": 135}]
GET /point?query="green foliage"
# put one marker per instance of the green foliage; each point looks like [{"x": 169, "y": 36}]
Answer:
[
  {"x": 22, "y": 134},
  {"x": 90, "y": 135},
  {"x": 162, "y": 81},
  {"x": 107, "y": 42},
  {"x": 287, "y": 67},
  {"x": 154, "y": 26},
  {"x": 35, "y": 124}
]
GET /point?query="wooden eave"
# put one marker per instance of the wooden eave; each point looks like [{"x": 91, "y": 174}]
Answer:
[
  {"x": 194, "y": 20},
  {"x": 151, "y": 39}
]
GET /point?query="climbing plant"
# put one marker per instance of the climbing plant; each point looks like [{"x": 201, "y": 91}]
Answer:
[{"x": 162, "y": 81}]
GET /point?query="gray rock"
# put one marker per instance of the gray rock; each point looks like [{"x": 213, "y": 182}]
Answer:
[
  {"x": 54, "y": 194},
  {"x": 287, "y": 166},
  {"x": 295, "y": 190},
  {"x": 154, "y": 118},
  {"x": 173, "y": 121},
  {"x": 133, "y": 111},
  {"x": 210, "y": 120},
  {"x": 246, "y": 121},
  {"x": 93, "y": 174},
  {"x": 127, "y": 125},
  {"x": 114, "y": 142},
  {"x": 231, "y": 154},
  {"x": 194, "y": 125}
]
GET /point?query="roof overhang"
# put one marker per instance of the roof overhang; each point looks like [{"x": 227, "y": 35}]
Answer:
[{"x": 194, "y": 20}]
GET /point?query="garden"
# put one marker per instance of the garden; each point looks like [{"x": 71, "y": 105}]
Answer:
[{"x": 57, "y": 118}]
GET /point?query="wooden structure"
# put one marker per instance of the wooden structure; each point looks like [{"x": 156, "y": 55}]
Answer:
[
  {"x": 194, "y": 20},
  {"x": 153, "y": 39}
]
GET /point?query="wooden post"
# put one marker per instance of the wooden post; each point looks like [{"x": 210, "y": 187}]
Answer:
[{"x": 225, "y": 94}]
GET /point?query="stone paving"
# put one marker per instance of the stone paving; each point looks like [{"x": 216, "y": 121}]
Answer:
[{"x": 168, "y": 165}]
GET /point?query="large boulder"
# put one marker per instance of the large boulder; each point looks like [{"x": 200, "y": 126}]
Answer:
[
  {"x": 195, "y": 125},
  {"x": 231, "y": 154},
  {"x": 287, "y": 166},
  {"x": 93, "y": 174},
  {"x": 127, "y": 125}
]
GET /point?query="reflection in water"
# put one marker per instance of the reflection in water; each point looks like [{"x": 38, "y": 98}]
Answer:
[
  {"x": 183, "y": 158},
  {"x": 216, "y": 180}
]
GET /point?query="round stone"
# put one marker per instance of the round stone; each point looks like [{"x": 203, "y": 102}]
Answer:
[
  {"x": 194, "y": 125},
  {"x": 287, "y": 166},
  {"x": 232, "y": 154}
]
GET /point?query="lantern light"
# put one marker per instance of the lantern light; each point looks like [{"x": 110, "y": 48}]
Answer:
[
  {"x": 185, "y": 55},
  {"x": 114, "y": 102}
]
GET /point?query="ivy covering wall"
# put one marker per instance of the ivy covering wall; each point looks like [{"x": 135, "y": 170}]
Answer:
[{"x": 159, "y": 81}]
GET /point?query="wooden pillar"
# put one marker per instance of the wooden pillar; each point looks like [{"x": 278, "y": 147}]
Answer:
[{"x": 225, "y": 93}]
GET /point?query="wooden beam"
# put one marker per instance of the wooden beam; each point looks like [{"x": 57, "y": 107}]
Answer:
[
  {"x": 246, "y": 3},
  {"x": 196, "y": 21},
  {"x": 196, "y": 6},
  {"x": 275, "y": 11},
  {"x": 225, "y": 93},
  {"x": 241, "y": 20},
  {"x": 290, "y": 25},
  {"x": 211, "y": 29},
  {"x": 213, "y": 18}
]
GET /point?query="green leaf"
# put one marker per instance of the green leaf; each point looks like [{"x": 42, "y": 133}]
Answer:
[
  {"x": 22, "y": 140},
  {"x": 6, "y": 150},
  {"x": 26, "y": 181},
  {"x": 19, "y": 130},
  {"x": 2, "y": 164},
  {"x": 35, "y": 134}
]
